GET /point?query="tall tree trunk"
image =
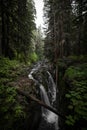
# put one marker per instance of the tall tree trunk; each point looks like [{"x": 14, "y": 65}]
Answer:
[
  {"x": 3, "y": 39},
  {"x": 7, "y": 48},
  {"x": 80, "y": 26}
]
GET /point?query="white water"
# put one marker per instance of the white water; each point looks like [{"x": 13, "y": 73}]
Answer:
[
  {"x": 52, "y": 88},
  {"x": 49, "y": 116}
]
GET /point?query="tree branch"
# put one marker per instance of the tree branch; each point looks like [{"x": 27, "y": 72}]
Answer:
[{"x": 41, "y": 103}]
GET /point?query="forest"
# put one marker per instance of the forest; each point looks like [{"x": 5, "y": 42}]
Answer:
[{"x": 43, "y": 77}]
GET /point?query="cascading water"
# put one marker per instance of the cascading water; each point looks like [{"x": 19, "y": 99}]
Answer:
[
  {"x": 49, "y": 116},
  {"x": 51, "y": 88},
  {"x": 45, "y": 99},
  {"x": 49, "y": 119}
]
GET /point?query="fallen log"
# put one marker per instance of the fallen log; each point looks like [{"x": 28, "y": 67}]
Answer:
[{"x": 41, "y": 103}]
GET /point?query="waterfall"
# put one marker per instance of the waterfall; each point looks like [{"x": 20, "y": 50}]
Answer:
[
  {"x": 45, "y": 99},
  {"x": 51, "y": 88},
  {"x": 48, "y": 116}
]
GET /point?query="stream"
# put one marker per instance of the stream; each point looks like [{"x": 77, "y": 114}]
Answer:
[{"x": 49, "y": 120}]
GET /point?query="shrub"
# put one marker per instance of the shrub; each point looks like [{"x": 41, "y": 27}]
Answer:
[
  {"x": 10, "y": 110},
  {"x": 77, "y": 94}
]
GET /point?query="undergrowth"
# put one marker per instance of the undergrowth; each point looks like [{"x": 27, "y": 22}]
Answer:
[
  {"x": 77, "y": 94},
  {"x": 11, "y": 112}
]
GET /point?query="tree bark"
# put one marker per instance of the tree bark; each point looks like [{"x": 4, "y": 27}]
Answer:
[{"x": 3, "y": 40}]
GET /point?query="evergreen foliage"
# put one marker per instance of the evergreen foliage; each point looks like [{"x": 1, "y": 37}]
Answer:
[
  {"x": 66, "y": 40},
  {"x": 16, "y": 26},
  {"x": 66, "y": 28}
]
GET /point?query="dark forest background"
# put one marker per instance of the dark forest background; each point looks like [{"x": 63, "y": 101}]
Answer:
[{"x": 64, "y": 44}]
